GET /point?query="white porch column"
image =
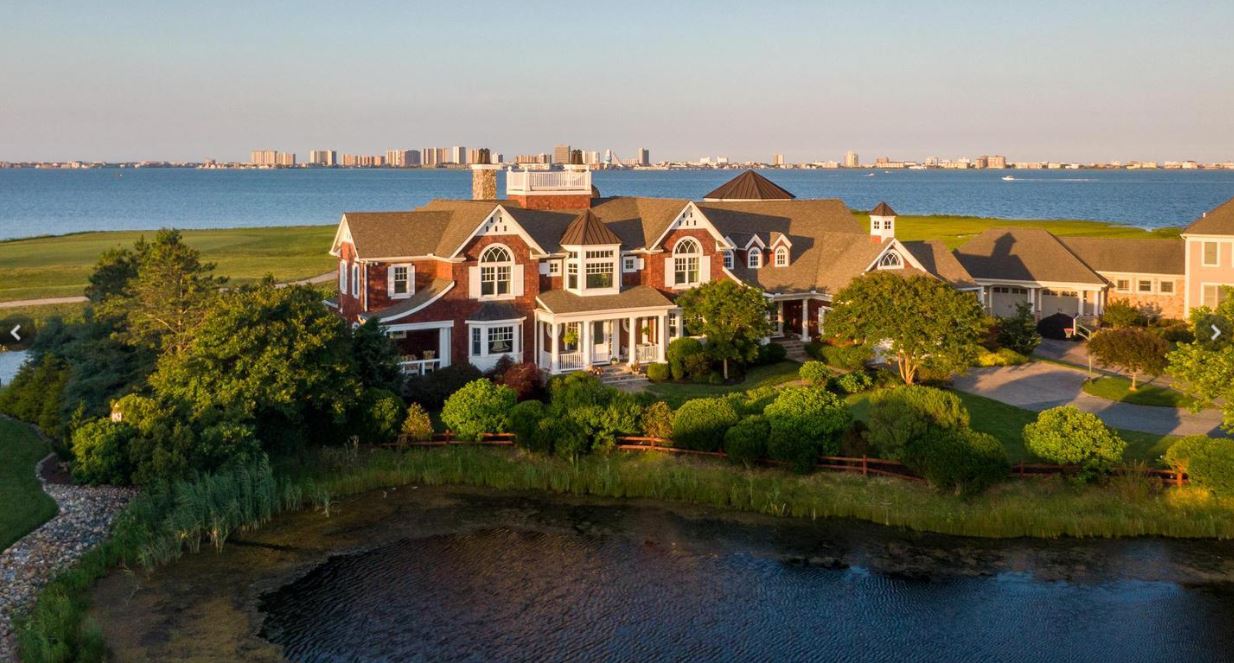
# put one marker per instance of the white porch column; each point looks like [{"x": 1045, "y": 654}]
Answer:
[
  {"x": 614, "y": 341},
  {"x": 805, "y": 320},
  {"x": 443, "y": 346},
  {"x": 584, "y": 342},
  {"x": 662, "y": 333},
  {"x": 555, "y": 344},
  {"x": 633, "y": 358},
  {"x": 780, "y": 318}
]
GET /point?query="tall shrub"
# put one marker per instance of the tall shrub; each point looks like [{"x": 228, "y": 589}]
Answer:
[
  {"x": 1070, "y": 436},
  {"x": 805, "y": 422},
  {"x": 961, "y": 460},
  {"x": 700, "y": 424},
  {"x": 479, "y": 407},
  {"x": 1208, "y": 462},
  {"x": 900, "y": 415}
]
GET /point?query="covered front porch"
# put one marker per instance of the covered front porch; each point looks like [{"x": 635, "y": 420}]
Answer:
[
  {"x": 798, "y": 315},
  {"x": 571, "y": 342},
  {"x": 423, "y": 347}
]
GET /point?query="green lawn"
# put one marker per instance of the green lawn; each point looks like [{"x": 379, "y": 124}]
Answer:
[
  {"x": 25, "y": 505},
  {"x": 1118, "y": 388},
  {"x": 955, "y": 230},
  {"x": 759, "y": 376},
  {"x": 1006, "y": 422},
  {"x": 59, "y": 266}
]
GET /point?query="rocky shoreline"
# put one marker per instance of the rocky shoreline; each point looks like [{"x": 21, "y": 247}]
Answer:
[{"x": 84, "y": 519}]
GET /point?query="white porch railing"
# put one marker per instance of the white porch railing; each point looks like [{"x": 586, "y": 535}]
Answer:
[
  {"x": 646, "y": 354},
  {"x": 570, "y": 361},
  {"x": 419, "y": 366},
  {"x": 522, "y": 181}
]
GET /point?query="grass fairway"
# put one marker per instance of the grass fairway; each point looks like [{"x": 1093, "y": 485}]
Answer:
[
  {"x": 1117, "y": 388},
  {"x": 25, "y": 504},
  {"x": 1006, "y": 423},
  {"x": 60, "y": 266},
  {"x": 955, "y": 230}
]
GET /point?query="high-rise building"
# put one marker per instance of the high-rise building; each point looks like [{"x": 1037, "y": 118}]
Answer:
[
  {"x": 323, "y": 157},
  {"x": 996, "y": 161},
  {"x": 591, "y": 157},
  {"x": 576, "y": 157},
  {"x": 457, "y": 154},
  {"x": 777, "y": 159},
  {"x": 851, "y": 160},
  {"x": 981, "y": 162},
  {"x": 644, "y": 156},
  {"x": 286, "y": 159},
  {"x": 264, "y": 157},
  {"x": 398, "y": 158},
  {"x": 561, "y": 154}
]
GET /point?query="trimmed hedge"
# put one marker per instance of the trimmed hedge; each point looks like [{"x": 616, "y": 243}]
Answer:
[
  {"x": 479, "y": 407},
  {"x": 900, "y": 415},
  {"x": 658, "y": 372},
  {"x": 700, "y": 424},
  {"x": 814, "y": 372},
  {"x": 1069, "y": 436},
  {"x": 805, "y": 422},
  {"x": 746, "y": 442},
  {"x": 962, "y": 460}
]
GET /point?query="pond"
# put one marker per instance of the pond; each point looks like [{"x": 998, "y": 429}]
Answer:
[{"x": 452, "y": 574}]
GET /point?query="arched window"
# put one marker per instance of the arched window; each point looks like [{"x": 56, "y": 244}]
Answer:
[
  {"x": 891, "y": 260},
  {"x": 686, "y": 255},
  {"x": 782, "y": 256},
  {"x": 496, "y": 263},
  {"x": 754, "y": 257}
]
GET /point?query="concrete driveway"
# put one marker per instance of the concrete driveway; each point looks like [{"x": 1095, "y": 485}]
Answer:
[{"x": 1039, "y": 386}]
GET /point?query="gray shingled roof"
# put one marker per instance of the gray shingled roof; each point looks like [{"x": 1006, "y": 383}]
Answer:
[
  {"x": 417, "y": 299},
  {"x": 1218, "y": 221},
  {"x": 561, "y": 301},
  {"x": 938, "y": 260},
  {"x": 1023, "y": 254},
  {"x": 1125, "y": 254}
]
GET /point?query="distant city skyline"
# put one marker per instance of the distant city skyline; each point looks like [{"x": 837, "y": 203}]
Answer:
[{"x": 1055, "y": 81}]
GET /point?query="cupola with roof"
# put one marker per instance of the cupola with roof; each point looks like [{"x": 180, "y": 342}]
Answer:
[
  {"x": 882, "y": 222},
  {"x": 749, "y": 186}
]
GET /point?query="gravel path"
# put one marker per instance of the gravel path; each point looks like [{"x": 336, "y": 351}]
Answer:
[{"x": 84, "y": 520}]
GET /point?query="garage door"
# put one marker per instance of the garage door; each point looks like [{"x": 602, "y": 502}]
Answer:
[
  {"x": 1066, "y": 302},
  {"x": 1003, "y": 300}
]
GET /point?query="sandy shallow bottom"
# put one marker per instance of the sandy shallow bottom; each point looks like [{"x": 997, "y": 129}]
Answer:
[{"x": 433, "y": 572}]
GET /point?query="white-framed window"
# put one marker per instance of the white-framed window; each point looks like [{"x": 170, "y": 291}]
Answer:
[
  {"x": 400, "y": 281},
  {"x": 599, "y": 274},
  {"x": 499, "y": 339},
  {"x": 686, "y": 256},
  {"x": 1213, "y": 294},
  {"x": 1165, "y": 287},
  {"x": 355, "y": 280},
  {"x": 1212, "y": 254},
  {"x": 342, "y": 277},
  {"x": 728, "y": 259},
  {"x": 554, "y": 268},
  {"x": 572, "y": 271},
  {"x": 496, "y": 265},
  {"x": 1144, "y": 285},
  {"x": 1122, "y": 285},
  {"x": 781, "y": 256},
  {"x": 754, "y": 258},
  {"x": 890, "y": 260},
  {"x": 629, "y": 264}
]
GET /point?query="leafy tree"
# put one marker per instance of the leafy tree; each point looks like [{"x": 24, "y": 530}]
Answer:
[
  {"x": 383, "y": 415},
  {"x": 733, "y": 317},
  {"x": 1133, "y": 349},
  {"x": 1019, "y": 332},
  {"x": 376, "y": 357},
  {"x": 165, "y": 296},
  {"x": 925, "y": 322},
  {"x": 806, "y": 422},
  {"x": 1070, "y": 436},
  {"x": 1204, "y": 368},
  {"x": 271, "y": 356},
  {"x": 1208, "y": 462},
  {"x": 1120, "y": 315},
  {"x": 902, "y": 415},
  {"x": 479, "y": 407}
]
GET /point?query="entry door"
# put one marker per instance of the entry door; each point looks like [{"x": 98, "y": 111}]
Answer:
[
  {"x": 792, "y": 317},
  {"x": 602, "y": 332}
]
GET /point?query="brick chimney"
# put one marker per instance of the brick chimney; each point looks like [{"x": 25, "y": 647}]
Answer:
[{"x": 484, "y": 181}]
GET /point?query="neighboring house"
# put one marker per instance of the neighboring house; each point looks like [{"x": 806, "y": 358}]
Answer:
[
  {"x": 1209, "y": 257},
  {"x": 562, "y": 277}
]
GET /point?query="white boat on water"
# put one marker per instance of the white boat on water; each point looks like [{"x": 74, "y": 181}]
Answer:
[{"x": 1008, "y": 178}]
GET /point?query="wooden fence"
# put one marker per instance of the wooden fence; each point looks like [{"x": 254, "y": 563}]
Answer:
[{"x": 863, "y": 465}]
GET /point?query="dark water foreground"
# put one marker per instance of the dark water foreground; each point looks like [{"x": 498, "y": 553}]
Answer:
[{"x": 459, "y": 574}]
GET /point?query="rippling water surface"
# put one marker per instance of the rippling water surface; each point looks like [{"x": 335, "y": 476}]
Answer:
[
  {"x": 498, "y": 594},
  {"x": 41, "y": 202}
]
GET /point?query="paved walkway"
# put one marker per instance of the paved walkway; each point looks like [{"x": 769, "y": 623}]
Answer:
[{"x": 1039, "y": 386}]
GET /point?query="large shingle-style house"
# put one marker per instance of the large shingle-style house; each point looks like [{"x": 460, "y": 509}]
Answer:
[{"x": 558, "y": 275}]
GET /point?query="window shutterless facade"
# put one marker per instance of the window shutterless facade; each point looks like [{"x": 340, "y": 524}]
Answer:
[
  {"x": 781, "y": 257},
  {"x": 686, "y": 255},
  {"x": 599, "y": 274},
  {"x": 728, "y": 259},
  {"x": 1212, "y": 254},
  {"x": 355, "y": 280},
  {"x": 1166, "y": 287},
  {"x": 754, "y": 258},
  {"x": 342, "y": 277},
  {"x": 400, "y": 281},
  {"x": 496, "y": 264}
]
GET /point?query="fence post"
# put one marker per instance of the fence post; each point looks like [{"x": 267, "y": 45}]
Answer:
[{"x": 865, "y": 468}]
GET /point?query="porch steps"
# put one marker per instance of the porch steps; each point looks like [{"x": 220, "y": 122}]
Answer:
[
  {"x": 795, "y": 348},
  {"x": 620, "y": 376}
]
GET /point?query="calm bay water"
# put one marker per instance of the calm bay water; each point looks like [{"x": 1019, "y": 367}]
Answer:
[{"x": 42, "y": 202}]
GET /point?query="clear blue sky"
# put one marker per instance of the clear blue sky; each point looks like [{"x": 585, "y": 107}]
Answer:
[{"x": 1033, "y": 80}]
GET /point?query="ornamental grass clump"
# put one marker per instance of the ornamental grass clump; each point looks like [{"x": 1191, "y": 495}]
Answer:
[{"x": 1069, "y": 436}]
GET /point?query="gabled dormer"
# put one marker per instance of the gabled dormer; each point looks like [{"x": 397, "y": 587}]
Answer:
[{"x": 593, "y": 255}]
